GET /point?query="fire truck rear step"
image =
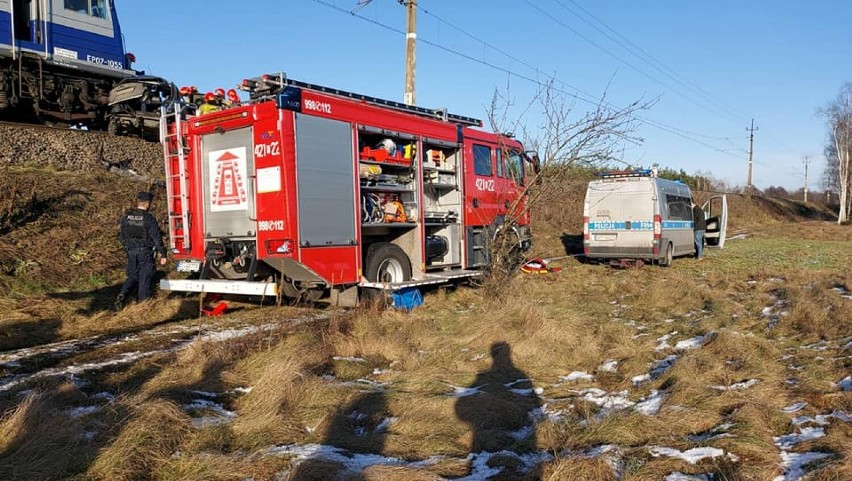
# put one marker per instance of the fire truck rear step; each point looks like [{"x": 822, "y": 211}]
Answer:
[
  {"x": 221, "y": 286},
  {"x": 430, "y": 279}
]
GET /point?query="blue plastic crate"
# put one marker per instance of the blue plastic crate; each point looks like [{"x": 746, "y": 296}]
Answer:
[{"x": 407, "y": 298}]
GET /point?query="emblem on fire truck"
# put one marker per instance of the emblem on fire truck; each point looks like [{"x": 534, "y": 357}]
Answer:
[{"x": 227, "y": 180}]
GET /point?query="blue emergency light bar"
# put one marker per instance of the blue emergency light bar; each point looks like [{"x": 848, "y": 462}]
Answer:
[{"x": 612, "y": 174}]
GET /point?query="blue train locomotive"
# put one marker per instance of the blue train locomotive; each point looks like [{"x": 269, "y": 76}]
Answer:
[{"x": 59, "y": 59}]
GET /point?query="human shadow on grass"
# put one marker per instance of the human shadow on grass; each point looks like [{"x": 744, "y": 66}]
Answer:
[
  {"x": 500, "y": 408},
  {"x": 356, "y": 433}
]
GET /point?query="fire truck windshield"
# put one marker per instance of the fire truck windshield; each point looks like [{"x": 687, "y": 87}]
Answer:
[{"x": 515, "y": 166}]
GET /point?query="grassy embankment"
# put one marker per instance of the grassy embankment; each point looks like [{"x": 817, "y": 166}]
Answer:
[{"x": 381, "y": 382}]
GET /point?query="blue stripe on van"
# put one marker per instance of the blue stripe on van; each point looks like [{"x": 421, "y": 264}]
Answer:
[
  {"x": 609, "y": 226},
  {"x": 677, "y": 224},
  {"x": 638, "y": 225}
]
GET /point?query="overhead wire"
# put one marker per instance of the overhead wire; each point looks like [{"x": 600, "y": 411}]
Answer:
[
  {"x": 622, "y": 60},
  {"x": 585, "y": 97},
  {"x": 646, "y": 57}
]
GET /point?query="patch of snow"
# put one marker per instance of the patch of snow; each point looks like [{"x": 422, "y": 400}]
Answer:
[
  {"x": 818, "y": 346},
  {"x": 651, "y": 405},
  {"x": 822, "y": 419},
  {"x": 348, "y": 358},
  {"x": 693, "y": 343},
  {"x": 478, "y": 357},
  {"x": 787, "y": 441},
  {"x": 794, "y": 408},
  {"x": 668, "y": 321},
  {"x": 691, "y": 456},
  {"x": 218, "y": 414},
  {"x": 81, "y": 411},
  {"x": 522, "y": 433},
  {"x": 610, "y": 365},
  {"x": 661, "y": 366},
  {"x": 608, "y": 402},
  {"x": 103, "y": 395},
  {"x": 611, "y": 454},
  {"x": 844, "y": 293},
  {"x": 716, "y": 432},
  {"x": 664, "y": 341},
  {"x": 528, "y": 392},
  {"x": 385, "y": 424},
  {"x": 637, "y": 380},
  {"x": 845, "y": 384},
  {"x": 678, "y": 476},
  {"x": 541, "y": 413},
  {"x": 244, "y": 390},
  {"x": 10, "y": 382},
  {"x": 206, "y": 394},
  {"x": 577, "y": 376},
  {"x": 518, "y": 381},
  {"x": 795, "y": 464},
  {"x": 738, "y": 386},
  {"x": 459, "y": 391}
]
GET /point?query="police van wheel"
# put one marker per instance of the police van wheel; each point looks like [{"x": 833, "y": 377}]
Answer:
[
  {"x": 666, "y": 260},
  {"x": 387, "y": 263}
]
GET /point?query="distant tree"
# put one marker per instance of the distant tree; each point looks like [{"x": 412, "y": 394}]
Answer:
[
  {"x": 779, "y": 192},
  {"x": 838, "y": 113}
]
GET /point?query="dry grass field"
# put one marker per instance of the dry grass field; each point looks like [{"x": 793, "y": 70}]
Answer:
[{"x": 733, "y": 368}]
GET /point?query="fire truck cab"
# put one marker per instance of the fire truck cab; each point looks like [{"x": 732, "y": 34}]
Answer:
[{"x": 306, "y": 190}]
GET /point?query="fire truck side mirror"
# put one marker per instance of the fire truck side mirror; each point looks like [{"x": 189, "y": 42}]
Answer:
[{"x": 532, "y": 158}]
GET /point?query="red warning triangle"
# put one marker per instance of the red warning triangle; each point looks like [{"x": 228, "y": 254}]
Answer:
[{"x": 227, "y": 156}]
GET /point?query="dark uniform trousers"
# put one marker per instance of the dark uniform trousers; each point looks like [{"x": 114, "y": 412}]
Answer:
[{"x": 140, "y": 272}]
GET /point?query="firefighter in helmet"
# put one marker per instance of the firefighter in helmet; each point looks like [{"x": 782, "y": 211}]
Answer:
[
  {"x": 140, "y": 235},
  {"x": 210, "y": 104}
]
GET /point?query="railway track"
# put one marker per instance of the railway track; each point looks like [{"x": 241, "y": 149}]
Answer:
[{"x": 52, "y": 128}]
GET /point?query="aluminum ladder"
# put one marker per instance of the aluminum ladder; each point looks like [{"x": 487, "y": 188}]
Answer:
[{"x": 174, "y": 159}]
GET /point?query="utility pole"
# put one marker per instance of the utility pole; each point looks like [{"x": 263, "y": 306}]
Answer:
[
  {"x": 410, "y": 44},
  {"x": 749, "y": 187},
  {"x": 806, "y": 162}
]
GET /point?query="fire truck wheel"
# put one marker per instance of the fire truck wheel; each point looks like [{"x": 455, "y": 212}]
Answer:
[
  {"x": 387, "y": 263},
  {"x": 666, "y": 261}
]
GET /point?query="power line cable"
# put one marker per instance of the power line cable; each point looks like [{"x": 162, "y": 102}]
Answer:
[
  {"x": 620, "y": 59},
  {"x": 646, "y": 57},
  {"x": 670, "y": 129}
]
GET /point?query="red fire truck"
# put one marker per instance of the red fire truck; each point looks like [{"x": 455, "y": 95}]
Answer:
[{"x": 306, "y": 190}]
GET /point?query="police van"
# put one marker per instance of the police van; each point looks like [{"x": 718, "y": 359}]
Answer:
[{"x": 635, "y": 215}]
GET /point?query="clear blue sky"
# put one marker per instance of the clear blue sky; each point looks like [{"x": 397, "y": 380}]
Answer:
[{"x": 714, "y": 65}]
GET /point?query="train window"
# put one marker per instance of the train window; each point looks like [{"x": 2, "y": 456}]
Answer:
[
  {"x": 499, "y": 153},
  {"x": 99, "y": 8},
  {"x": 481, "y": 160},
  {"x": 78, "y": 6}
]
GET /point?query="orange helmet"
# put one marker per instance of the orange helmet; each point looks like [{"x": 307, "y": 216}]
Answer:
[
  {"x": 186, "y": 91},
  {"x": 220, "y": 92},
  {"x": 232, "y": 96},
  {"x": 208, "y": 97}
]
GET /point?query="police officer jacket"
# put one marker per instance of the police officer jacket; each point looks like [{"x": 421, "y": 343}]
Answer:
[
  {"x": 698, "y": 218},
  {"x": 139, "y": 231}
]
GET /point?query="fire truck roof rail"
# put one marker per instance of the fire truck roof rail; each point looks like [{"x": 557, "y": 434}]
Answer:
[{"x": 280, "y": 81}]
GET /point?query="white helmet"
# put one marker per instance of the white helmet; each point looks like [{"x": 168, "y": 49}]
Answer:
[{"x": 388, "y": 145}]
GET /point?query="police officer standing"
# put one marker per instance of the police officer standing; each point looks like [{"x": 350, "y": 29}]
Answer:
[{"x": 140, "y": 235}]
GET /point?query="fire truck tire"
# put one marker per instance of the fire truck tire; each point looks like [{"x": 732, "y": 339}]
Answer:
[
  {"x": 387, "y": 263},
  {"x": 666, "y": 260}
]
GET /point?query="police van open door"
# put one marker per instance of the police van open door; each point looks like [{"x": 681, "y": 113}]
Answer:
[{"x": 716, "y": 211}]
